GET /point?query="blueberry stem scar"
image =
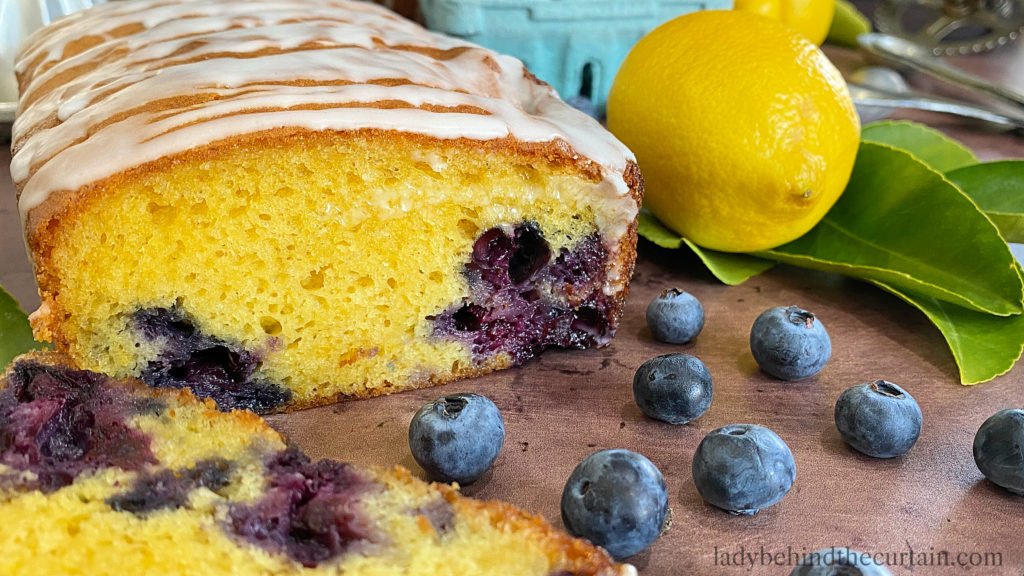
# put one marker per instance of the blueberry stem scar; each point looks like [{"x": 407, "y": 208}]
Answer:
[{"x": 883, "y": 387}]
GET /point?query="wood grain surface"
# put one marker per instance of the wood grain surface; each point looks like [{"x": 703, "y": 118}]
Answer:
[{"x": 917, "y": 512}]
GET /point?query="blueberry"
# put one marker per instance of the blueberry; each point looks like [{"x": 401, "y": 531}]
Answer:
[
  {"x": 742, "y": 468},
  {"x": 456, "y": 438},
  {"x": 209, "y": 367},
  {"x": 618, "y": 500},
  {"x": 878, "y": 418},
  {"x": 675, "y": 317},
  {"x": 839, "y": 562},
  {"x": 789, "y": 343},
  {"x": 999, "y": 449},
  {"x": 526, "y": 298},
  {"x": 675, "y": 388}
]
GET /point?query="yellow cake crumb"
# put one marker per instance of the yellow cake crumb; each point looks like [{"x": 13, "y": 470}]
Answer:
[{"x": 328, "y": 259}]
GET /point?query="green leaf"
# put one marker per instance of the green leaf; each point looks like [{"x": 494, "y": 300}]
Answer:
[
  {"x": 731, "y": 269},
  {"x": 15, "y": 332},
  {"x": 998, "y": 189},
  {"x": 903, "y": 224},
  {"x": 984, "y": 346},
  {"x": 651, "y": 228},
  {"x": 927, "y": 144}
]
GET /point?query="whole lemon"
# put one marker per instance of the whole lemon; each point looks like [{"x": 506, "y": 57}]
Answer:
[
  {"x": 812, "y": 18},
  {"x": 744, "y": 131}
]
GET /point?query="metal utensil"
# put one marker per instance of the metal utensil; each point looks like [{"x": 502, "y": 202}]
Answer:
[
  {"x": 908, "y": 54},
  {"x": 6, "y": 117},
  {"x": 864, "y": 96},
  {"x": 883, "y": 78},
  {"x": 951, "y": 27},
  {"x": 7, "y": 111}
]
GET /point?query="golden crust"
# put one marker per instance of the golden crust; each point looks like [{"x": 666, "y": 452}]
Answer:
[{"x": 574, "y": 555}]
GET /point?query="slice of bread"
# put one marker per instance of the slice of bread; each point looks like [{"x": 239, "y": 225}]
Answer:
[
  {"x": 101, "y": 476},
  {"x": 279, "y": 203}
]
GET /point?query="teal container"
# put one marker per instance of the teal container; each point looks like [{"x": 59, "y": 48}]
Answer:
[{"x": 575, "y": 45}]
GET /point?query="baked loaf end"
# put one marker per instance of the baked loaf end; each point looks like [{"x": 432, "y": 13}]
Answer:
[
  {"x": 107, "y": 477},
  {"x": 281, "y": 203}
]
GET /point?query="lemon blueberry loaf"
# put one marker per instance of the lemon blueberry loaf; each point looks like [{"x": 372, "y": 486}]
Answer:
[
  {"x": 280, "y": 203},
  {"x": 102, "y": 476}
]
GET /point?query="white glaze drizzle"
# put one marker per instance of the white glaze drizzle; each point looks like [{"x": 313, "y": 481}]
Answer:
[{"x": 203, "y": 47}]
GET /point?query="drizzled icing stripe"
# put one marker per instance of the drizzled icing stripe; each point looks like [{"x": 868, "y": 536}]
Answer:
[{"x": 228, "y": 68}]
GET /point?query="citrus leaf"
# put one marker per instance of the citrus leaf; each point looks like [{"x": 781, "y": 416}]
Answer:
[
  {"x": 15, "y": 332},
  {"x": 651, "y": 228},
  {"x": 928, "y": 145},
  {"x": 996, "y": 188},
  {"x": 984, "y": 346},
  {"x": 903, "y": 224},
  {"x": 729, "y": 268}
]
